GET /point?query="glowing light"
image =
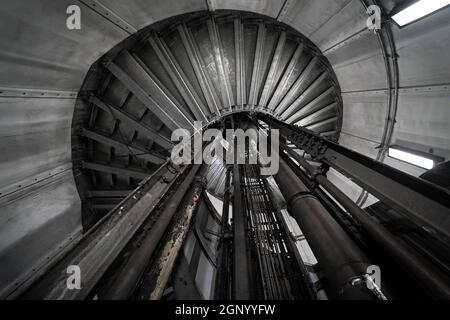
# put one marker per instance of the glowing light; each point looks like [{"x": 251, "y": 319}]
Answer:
[
  {"x": 411, "y": 158},
  {"x": 418, "y": 10}
]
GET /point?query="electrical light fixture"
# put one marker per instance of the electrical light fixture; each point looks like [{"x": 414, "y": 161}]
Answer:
[
  {"x": 417, "y": 10},
  {"x": 411, "y": 158}
]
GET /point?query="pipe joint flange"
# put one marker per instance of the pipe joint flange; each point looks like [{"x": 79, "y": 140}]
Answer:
[
  {"x": 352, "y": 283},
  {"x": 298, "y": 196},
  {"x": 172, "y": 168},
  {"x": 315, "y": 173}
]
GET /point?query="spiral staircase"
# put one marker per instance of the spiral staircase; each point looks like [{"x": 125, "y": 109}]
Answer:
[{"x": 197, "y": 67}]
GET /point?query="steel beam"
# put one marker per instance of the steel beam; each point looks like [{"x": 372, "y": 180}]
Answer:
[
  {"x": 162, "y": 95},
  {"x": 241, "y": 92},
  {"x": 131, "y": 272},
  {"x": 122, "y": 116},
  {"x": 199, "y": 68},
  {"x": 144, "y": 85},
  {"x": 309, "y": 118},
  {"x": 115, "y": 170},
  {"x": 109, "y": 193},
  {"x": 95, "y": 253},
  {"x": 293, "y": 91},
  {"x": 321, "y": 123},
  {"x": 103, "y": 206},
  {"x": 270, "y": 81},
  {"x": 327, "y": 133},
  {"x": 418, "y": 199},
  {"x": 256, "y": 75},
  {"x": 308, "y": 107},
  {"x": 130, "y": 149},
  {"x": 225, "y": 86},
  {"x": 178, "y": 77},
  {"x": 92, "y": 121},
  {"x": 301, "y": 99},
  {"x": 282, "y": 86}
]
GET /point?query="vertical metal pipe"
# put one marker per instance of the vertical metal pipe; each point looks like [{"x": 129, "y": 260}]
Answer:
[
  {"x": 132, "y": 271},
  {"x": 156, "y": 280},
  {"x": 340, "y": 258},
  {"x": 222, "y": 287},
  {"x": 303, "y": 288},
  {"x": 240, "y": 250},
  {"x": 429, "y": 280}
]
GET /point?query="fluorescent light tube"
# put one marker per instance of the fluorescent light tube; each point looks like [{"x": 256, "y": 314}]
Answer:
[
  {"x": 418, "y": 10},
  {"x": 411, "y": 158}
]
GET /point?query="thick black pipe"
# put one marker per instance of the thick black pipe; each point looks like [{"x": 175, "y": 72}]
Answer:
[
  {"x": 241, "y": 274},
  {"x": 132, "y": 271},
  {"x": 222, "y": 289},
  {"x": 340, "y": 258},
  {"x": 431, "y": 282}
]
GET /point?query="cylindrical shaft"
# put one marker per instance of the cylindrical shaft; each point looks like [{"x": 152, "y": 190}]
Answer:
[
  {"x": 340, "y": 258},
  {"x": 130, "y": 274},
  {"x": 429, "y": 280}
]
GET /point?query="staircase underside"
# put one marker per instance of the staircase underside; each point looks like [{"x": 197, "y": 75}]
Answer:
[{"x": 195, "y": 67}]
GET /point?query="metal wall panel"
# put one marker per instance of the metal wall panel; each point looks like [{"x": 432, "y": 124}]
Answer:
[
  {"x": 308, "y": 16},
  {"x": 35, "y": 227},
  {"x": 423, "y": 117},
  {"x": 423, "y": 49},
  {"x": 142, "y": 13},
  {"x": 358, "y": 63},
  {"x": 38, "y": 51},
  {"x": 363, "y": 146},
  {"x": 34, "y": 136},
  {"x": 350, "y": 20},
  {"x": 43, "y": 65},
  {"x": 423, "y": 123},
  {"x": 364, "y": 115},
  {"x": 366, "y": 74},
  {"x": 269, "y": 8}
]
